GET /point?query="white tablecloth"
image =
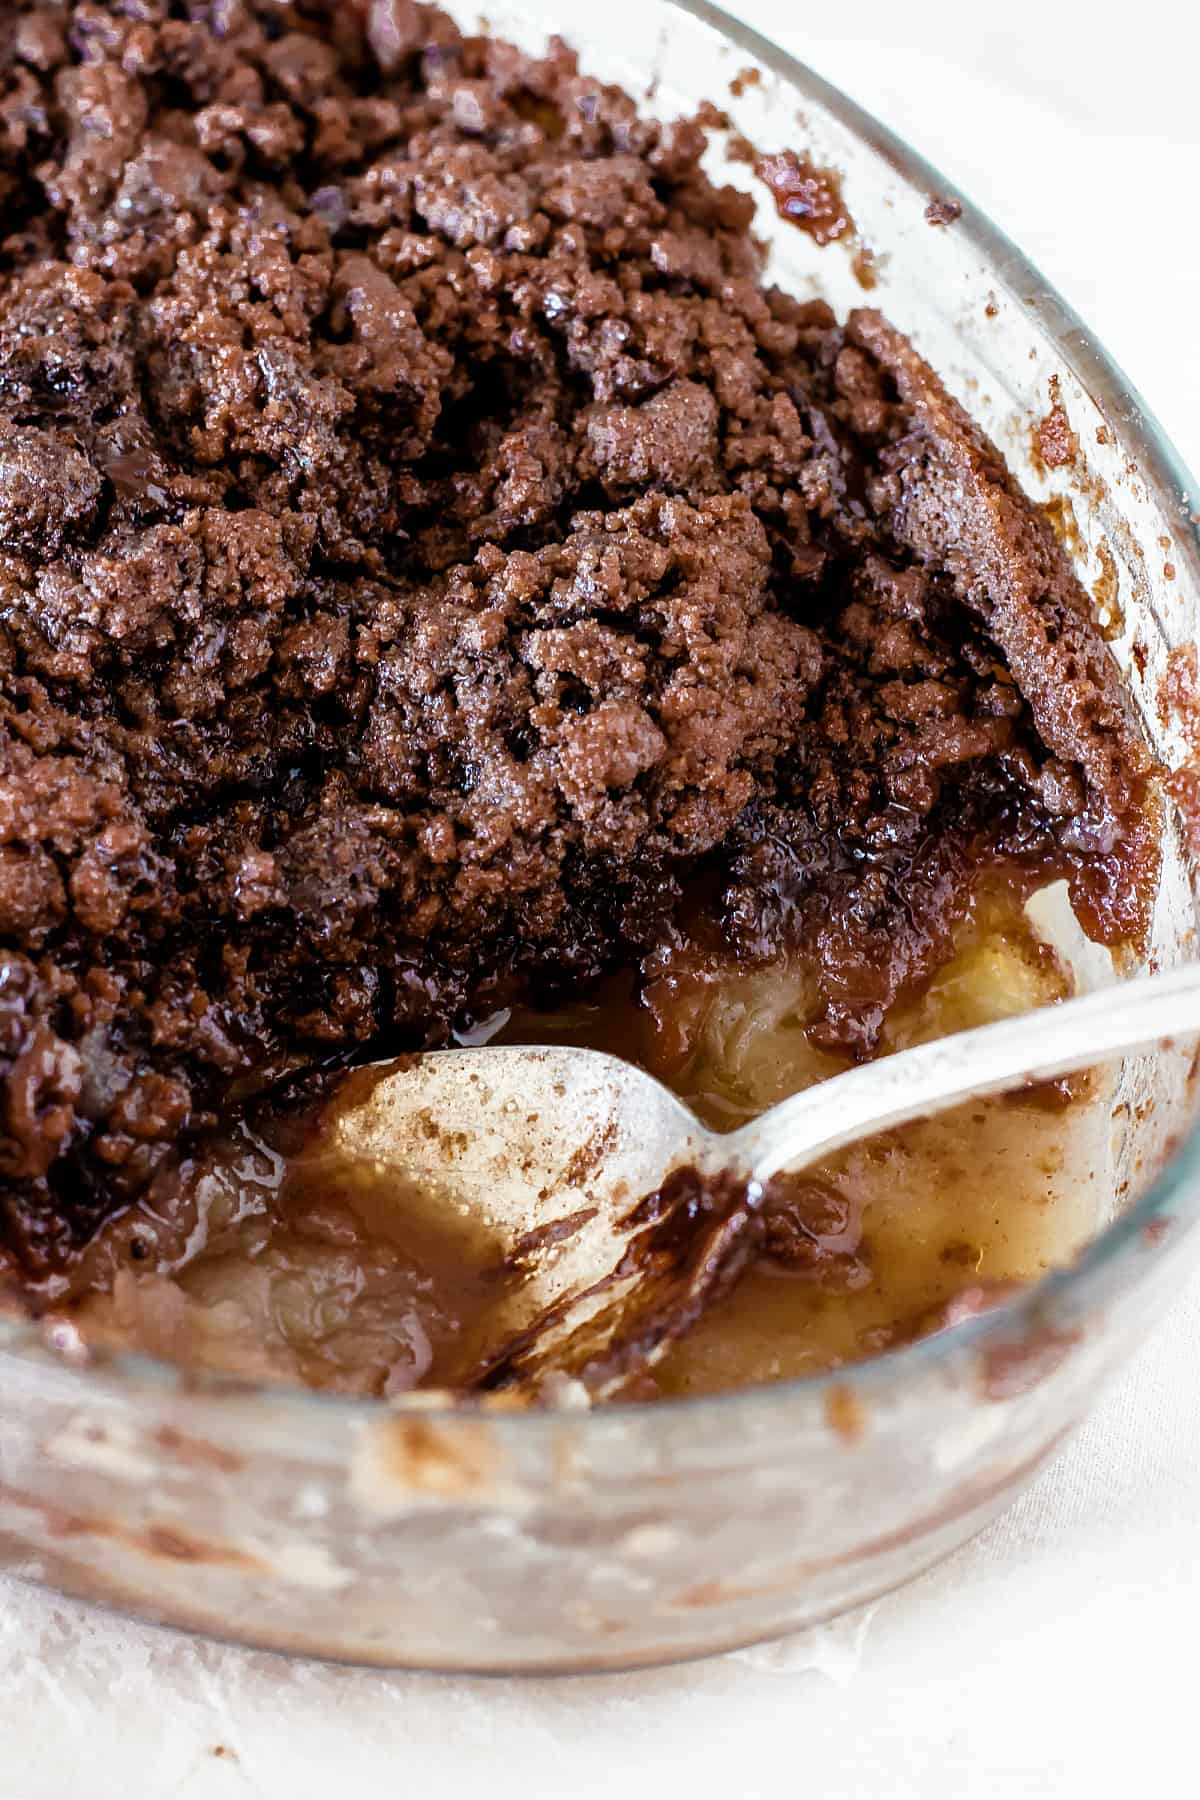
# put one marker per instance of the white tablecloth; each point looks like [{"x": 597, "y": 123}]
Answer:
[{"x": 1053, "y": 1656}]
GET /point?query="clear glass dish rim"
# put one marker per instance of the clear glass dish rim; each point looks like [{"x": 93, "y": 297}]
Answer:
[{"x": 1107, "y": 1263}]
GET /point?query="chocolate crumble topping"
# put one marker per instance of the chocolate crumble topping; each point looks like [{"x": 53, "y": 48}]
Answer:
[{"x": 426, "y": 544}]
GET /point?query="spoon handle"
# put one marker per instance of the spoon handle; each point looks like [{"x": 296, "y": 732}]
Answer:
[{"x": 993, "y": 1059}]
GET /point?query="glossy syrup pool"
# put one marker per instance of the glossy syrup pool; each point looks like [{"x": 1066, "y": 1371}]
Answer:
[{"x": 330, "y": 1273}]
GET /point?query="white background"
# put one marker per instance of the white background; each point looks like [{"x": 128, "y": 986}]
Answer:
[{"x": 1057, "y": 1654}]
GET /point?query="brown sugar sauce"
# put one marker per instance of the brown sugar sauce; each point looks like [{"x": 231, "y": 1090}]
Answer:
[{"x": 313, "y": 1269}]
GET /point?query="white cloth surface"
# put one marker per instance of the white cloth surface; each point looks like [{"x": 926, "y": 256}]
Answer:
[{"x": 1054, "y": 1655}]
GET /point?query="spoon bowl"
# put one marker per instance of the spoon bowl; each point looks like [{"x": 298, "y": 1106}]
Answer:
[{"x": 618, "y": 1216}]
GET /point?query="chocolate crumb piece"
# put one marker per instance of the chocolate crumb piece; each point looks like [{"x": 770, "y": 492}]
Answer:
[
  {"x": 427, "y": 545},
  {"x": 1179, "y": 694},
  {"x": 942, "y": 211},
  {"x": 1057, "y": 444},
  {"x": 1183, "y": 788},
  {"x": 806, "y": 195},
  {"x": 713, "y": 118},
  {"x": 865, "y": 265}
]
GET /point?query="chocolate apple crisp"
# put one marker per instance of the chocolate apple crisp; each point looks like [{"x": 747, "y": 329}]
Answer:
[{"x": 429, "y": 552}]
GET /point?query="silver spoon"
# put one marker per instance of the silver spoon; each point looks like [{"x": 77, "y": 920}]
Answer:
[{"x": 554, "y": 1152}]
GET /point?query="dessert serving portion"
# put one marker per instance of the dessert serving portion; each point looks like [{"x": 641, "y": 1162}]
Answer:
[{"x": 447, "y": 591}]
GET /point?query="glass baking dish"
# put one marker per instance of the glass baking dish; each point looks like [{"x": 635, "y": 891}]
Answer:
[{"x": 420, "y": 1535}]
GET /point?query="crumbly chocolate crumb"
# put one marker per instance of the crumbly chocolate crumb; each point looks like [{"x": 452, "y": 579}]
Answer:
[
  {"x": 1057, "y": 443},
  {"x": 749, "y": 77},
  {"x": 806, "y": 195},
  {"x": 942, "y": 211}
]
